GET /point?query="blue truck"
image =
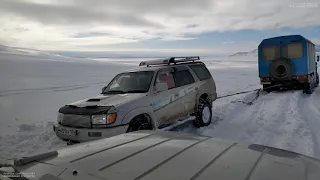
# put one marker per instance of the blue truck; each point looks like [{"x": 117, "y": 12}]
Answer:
[{"x": 289, "y": 62}]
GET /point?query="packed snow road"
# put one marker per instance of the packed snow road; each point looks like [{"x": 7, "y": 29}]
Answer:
[{"x": 285, "y": 119}]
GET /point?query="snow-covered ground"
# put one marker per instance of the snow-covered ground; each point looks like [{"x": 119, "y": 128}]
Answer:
[
  {"x": 32, "y": 90},
  {"x": 287, "y": 120}
]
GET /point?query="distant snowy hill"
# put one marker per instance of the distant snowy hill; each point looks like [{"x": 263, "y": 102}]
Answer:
[
  {"x": 250, "y": 53},
  {"x": 254, "y": 53},
  {"x": 7, "y": 52},
  {"x": 26, "y": 52}
]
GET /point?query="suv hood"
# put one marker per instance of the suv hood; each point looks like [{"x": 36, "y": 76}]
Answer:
[
  {"x": 108, "y": 100},
  {"x": 172, "y": 155}
]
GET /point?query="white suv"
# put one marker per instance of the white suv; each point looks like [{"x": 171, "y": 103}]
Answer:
[{"x": 144, "y": 98}]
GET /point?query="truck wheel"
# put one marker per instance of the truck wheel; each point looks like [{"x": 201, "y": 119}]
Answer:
[
  {"x": 308, "y": 89},
  {"x": 139, "y": 123},
  {"x": 317, "y": 80},
  {"x": 204, "y": 114}
]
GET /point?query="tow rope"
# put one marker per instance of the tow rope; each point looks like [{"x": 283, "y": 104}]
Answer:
[
  {"x": 244, "y": 92},
  {"x": 238, "y": 93}
]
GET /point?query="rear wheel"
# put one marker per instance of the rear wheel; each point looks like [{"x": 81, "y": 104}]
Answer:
[
  {"x": 140, "y": 122},
  {"x": 203, "y": 114},
  {"x": 308, "y": 89},
  {"x": 317, "y": 80}
]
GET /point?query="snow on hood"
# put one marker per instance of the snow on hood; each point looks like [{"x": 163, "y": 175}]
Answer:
[{"x": 108, "y": 100}]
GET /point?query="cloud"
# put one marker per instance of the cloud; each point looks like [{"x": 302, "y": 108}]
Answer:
[
  {"x": 228, "y": 42},
  {"x": 69, "y": 14},
  {"x": 315, "y": 41},
  {"x": 74, "y": 24}
]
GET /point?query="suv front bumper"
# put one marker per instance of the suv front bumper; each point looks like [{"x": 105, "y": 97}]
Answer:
[{"x": 83, "y": 134}]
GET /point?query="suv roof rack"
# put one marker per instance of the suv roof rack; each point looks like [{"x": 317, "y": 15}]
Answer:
[{"x": 168, "y": 61}]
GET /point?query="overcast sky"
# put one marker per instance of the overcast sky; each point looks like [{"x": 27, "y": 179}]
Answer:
[{"x": 195, "y": 26}]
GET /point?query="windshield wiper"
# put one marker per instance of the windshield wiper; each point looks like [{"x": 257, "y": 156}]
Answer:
[
  {"x": 114, "y": 92},
  {"x": 123, "y": 92},
  {"x": 137, "y": 91}
]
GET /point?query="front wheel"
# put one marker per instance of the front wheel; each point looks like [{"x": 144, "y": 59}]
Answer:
[
  {"x": 139, "y": 123},
  {"x": 204, "y": 114}
]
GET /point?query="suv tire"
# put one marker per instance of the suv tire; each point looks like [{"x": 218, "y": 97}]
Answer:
[
  {"x": 203, "y": 114},
  {"x": 139, "y": 123}
]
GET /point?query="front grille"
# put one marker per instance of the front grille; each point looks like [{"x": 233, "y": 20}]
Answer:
[{"x": 80, "y": 121}]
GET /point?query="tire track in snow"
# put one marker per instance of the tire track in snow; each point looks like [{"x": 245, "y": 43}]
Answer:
[
  {"x": 242, "y": 122},
  {"x": 278, "y": 119},
  {"x": 297, "y": 136},
  {"x": 261, "y": 124},
  {"x": 309, "y": 105}
]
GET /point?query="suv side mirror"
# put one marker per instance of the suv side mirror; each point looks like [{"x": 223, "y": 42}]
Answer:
[
  {"x": 317, "y": 58},
  {"x": 161, "y": 87}
]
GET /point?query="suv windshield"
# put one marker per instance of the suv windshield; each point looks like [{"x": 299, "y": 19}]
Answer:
[{"x": 132, "y": 82}]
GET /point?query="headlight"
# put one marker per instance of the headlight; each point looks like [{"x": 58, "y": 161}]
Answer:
[
  {"x": 103, "y": 119},
  {"x": 99, "y": 119},
  {"x": 60, "y": 117}
]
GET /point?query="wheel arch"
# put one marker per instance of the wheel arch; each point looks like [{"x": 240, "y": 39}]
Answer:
[
  {"x": 141, "y": 111},
  {"x": 203, "y": 95}
]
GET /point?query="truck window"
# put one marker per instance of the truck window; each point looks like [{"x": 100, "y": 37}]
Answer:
[
  {"x": 201, "y": 71},
  {"x": 271, "y": 53},
  {"x": 292, "y": 50}
]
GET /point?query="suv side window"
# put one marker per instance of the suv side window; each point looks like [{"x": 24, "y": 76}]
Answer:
[
  {"x": 166, "y": 77},
  {"x": 201, "y": 71},
  {"x": 183, "y": 78}
]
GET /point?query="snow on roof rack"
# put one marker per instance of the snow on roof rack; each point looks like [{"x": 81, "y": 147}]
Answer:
[{"x": 168, "y": 61}]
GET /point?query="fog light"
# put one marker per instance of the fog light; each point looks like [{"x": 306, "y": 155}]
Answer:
[{"x": 94, "y": 134}]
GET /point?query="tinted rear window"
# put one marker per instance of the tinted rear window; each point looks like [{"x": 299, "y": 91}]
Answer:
[{"x": 201, "y": 71}]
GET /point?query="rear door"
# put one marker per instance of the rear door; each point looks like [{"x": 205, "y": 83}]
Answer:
[
  {"x": 206, "y": 84},
  {"x": 185, "y": 84},
  {"x": 166, "y": 105}
]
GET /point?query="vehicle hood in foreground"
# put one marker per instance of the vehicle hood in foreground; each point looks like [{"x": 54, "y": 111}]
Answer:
[{"x": 171, "y": 155}]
